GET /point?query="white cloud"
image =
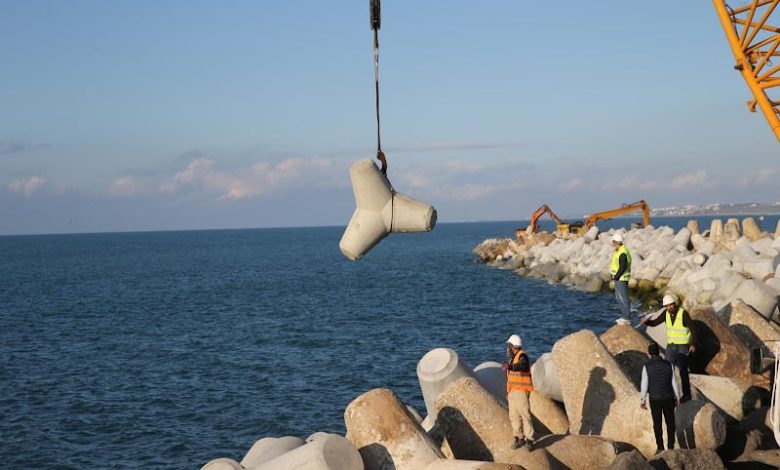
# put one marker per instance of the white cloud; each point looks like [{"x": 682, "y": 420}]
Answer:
[
  {"x": 762, "y": 176},
  {"x": 260, "y": 179},
  {"x": 696, "y": 178},
  {"x": 27, "y": 186},
  {"x": 570, "y": 185},
  {"x": 631, "y": 182},
  {"x": 127, "y": 186}
]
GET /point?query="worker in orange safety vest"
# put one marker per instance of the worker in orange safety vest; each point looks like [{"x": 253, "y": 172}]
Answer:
[{"x": 519, "y": 386}]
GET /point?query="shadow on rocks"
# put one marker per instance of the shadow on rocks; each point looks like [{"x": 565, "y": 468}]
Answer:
[
  {"x": 378, "y": 455},
  {"x": 464, "y": 442},
  {"x": 707, "y": 349},
  {"x": 599, "y": 397}
]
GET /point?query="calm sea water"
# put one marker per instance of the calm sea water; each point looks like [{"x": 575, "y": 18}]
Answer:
[{"x": 169, "y": 349}]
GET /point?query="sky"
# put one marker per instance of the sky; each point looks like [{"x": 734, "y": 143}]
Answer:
[{"x": 187, "y": 114}]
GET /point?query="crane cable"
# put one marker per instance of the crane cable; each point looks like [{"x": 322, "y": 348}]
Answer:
[{"x": 376, "y": 21}]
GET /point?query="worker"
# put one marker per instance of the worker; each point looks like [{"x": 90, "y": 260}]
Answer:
[
  {"x": 620, "y": 269},
  {"x": 659, "y": 382},
  {"x": 519, "y": 386},
  {"x": 680, "y": 338}
]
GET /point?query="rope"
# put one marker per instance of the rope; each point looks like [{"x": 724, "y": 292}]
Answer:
[{"x": 375, "y": 25}]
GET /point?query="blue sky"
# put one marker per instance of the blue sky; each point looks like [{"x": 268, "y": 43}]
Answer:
[{"x": 150, "y": 115}]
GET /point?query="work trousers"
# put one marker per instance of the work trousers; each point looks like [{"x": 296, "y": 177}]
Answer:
[
  {"x": 621, "y": 294},
  {"x": 665, "y": 407},
  {"x": 677, "y": 354},
  {"x": 520, "y": 414}
]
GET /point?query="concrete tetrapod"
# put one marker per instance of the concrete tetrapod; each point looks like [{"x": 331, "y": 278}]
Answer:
[
  {"x": 438, "y": 368},
  {"x": 699, "y": 425},
  {"x": 688, "y": 459},
  {"x": 758, "y": 295},
  {"x": 222, "y": 464},
  {"x": 630, "y": 461},
  {"x": 583, "y": 452},
  {"x": 331, "y": 452},
  {"x": 546, "y": 413},
  {"x": 477, "y": 427},
  {"x": 751, "y": 327},
  {"x": 493, "y": 378},
  {"x": 545, "y": 377},
  {"x": 719, "y": 351},
  {"x": 386, "y": 434},
  {"x": 629, "y": 348},
  {"x": 470, "y": 465},
  {"x": 380, "y": 211},
  {"x": 600, "y": 400},
  {"x": 733, "y": 397},
  {"x": 269, "y": 448}
]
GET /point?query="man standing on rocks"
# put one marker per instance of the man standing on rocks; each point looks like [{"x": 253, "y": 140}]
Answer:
[
  {"x": 620, "y": 269},
  {"x": 519, "y": 386},
  {"x": 658, "y": 379},
  {"x": 680, "y": 338}
]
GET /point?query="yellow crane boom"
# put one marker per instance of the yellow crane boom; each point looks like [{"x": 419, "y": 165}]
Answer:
[{"x": 754, "y": 43}]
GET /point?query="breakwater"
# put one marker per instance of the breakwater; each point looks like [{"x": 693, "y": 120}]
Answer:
[{"x": 585, "y": 406}]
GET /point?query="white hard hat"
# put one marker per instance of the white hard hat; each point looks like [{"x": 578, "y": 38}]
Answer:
[
  {"x": 617, "y": 237},
  {"x": 515, "y": 341},
  {"x": 669, "y": 299}
]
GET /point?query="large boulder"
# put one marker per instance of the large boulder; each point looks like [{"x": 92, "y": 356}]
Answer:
[
  {"x": 583, "y": 452},
  {"x": 599, "y": 398},
  {"x": 687, "y": 459},
  {"x": 751, "y": 327},
  {"x": 719, "y": 351},
  {"x": 476, "y": 427},
  {"x": 545, "y": 377},
  {"x": 629, "y": 348},
  {"x": 386, "y": 434}
]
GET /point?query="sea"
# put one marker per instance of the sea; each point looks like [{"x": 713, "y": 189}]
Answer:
[{"x": 169, "y": 349}]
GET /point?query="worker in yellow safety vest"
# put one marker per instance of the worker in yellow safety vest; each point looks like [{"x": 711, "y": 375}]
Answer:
[
  {"x": 680, "y": 338},
  {"x": 620, "y": 270},
  {"x": 519, "y": 386}
]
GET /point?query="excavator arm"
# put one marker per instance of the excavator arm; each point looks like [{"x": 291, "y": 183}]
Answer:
[
  {"x": 532, "y": 226},
  {"x": 754, "y": 43},
  {"x": 635, "y": 206}
]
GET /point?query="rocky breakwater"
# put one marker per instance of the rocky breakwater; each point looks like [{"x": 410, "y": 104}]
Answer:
[
  {"x": 593, "y": 421},
  {"x": 722, "y": 264}
]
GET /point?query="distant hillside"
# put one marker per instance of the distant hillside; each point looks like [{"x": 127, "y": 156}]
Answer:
[{"x": 756, "y": 208}]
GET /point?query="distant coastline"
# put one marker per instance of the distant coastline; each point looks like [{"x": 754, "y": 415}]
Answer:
[
  {"x": 696, "y": 210},
  {"x": 750, "y": 208}
]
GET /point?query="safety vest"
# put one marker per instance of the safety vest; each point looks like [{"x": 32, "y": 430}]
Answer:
[
  {"x": 516, "y": 380},
  {"x": 677, "y": 333},
  {"x": 615, "y": 267}
]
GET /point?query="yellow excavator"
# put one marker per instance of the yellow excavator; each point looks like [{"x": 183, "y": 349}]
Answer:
[
  {"x": 564, "y": 230},
  {"x": 532, "y": 225}
]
